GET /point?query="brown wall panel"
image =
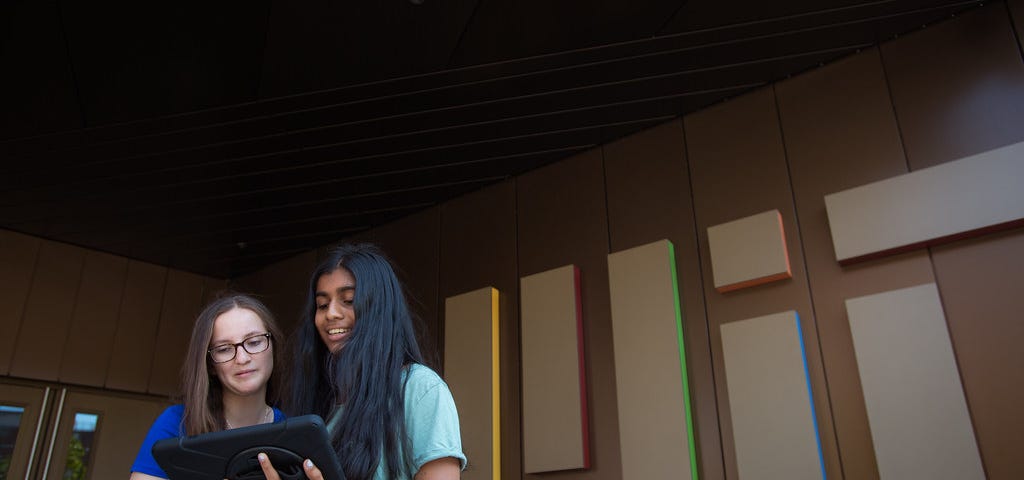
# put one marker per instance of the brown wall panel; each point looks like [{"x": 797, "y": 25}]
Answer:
[
  {"x": 213, "y": 288},
  {"x": 182, "y": 297},
  {"x": 980, "y": 281},
  {"x": 284, "y": 286},
  {"x": 648, "y": 185},
  {"x": 48, "y": 310},
  {"x": 958, "y": 89},
  {"x": 562, "y": 220},
  {"x": 1016, "y": 8},
  {"x": 478, "y": 248},
  {"x": 17, "y": 265},
  {"x": 840, "y": 132},
  {"x": 738, "y": 168},
  {"x": 91, "y": 334},
  {"x": 412, "y": 245},
  {"x": 135, "y": 337}
]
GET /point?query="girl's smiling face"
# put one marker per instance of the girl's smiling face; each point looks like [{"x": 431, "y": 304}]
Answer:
[{"x": 335, "y": 317}]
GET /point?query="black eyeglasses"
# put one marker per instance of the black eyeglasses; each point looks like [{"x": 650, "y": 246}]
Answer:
[{"x": 252, "y": 345}]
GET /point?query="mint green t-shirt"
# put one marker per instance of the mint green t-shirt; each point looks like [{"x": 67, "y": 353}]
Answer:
[{"x": 431, "y": 421}]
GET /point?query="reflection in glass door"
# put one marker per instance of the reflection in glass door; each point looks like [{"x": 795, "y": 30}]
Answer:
[{"x": 10, "y": 423}]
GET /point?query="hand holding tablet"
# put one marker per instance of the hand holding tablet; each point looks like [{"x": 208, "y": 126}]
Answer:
[{"x": 233, "y": 454}]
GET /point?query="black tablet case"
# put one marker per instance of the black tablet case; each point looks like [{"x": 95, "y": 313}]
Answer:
[{"x": 231, "y": 454}]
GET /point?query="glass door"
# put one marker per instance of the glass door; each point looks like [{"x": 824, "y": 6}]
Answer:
[
  {"x": 62, "y": 433},
  {"x": 22, "y": 425},
  {"x": 98, "y": 435}
]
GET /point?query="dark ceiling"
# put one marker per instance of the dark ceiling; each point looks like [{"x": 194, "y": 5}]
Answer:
[{"x": 223, "y": 136}]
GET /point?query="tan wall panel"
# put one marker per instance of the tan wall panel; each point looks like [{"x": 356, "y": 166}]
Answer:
[
  {"x": 562, "y": 220},
  {"x": 958, "y": 89},
  {"x": 17, "y": 265},
  {"x": 748, "y": 251},
  {"x": 181, "y": 304},
  {"x": 772, "y": 416},
  {"x": 48, "y": 310},
  {"x": 840, "y": 131},
  {"x": 132, "y": 352},
  {"x": 555, "y": 419},
  {"x": 649, "y": 198},
  {"x": 471, "y": 363},
  {"x": 478, "y": 247},
  {"x": 655, "y": 424},
  {"x": 738, "y": 168},
  {"x": 964, "y": 197},
  {"x": 91, "y": 334},
  {"x": 919, "y": 420}
]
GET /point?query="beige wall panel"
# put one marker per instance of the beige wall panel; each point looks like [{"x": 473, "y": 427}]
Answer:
[
  {"x": 772, "y": 416},
  {"x": 412, "y": 245},
  {"x": 957, "y": 87},
  {"x": 478, "y": 247},
  {"x": 554, "y": 417},
  {"x": 748, "y": 251},
  {"x": 132, "y": 352},
  {"x": 91, "y": 334},
  {"x": 48, "y": 310},
  {"x": 965, "y": 197},
  {"x": 471, "y": 367},
  {"x": 649, "y": 198},
  {"x": 840, "y": 131},
  {"x": 17, "y": 265},
  {"x": 181, "y": 304},
  {"x": 738, "y": 168},
  {"x": 562, "y": 220},
  {"x": 958, "y": 90},
  {"x": 915, "y": 402},
  {"x": 655, "y": 424}
]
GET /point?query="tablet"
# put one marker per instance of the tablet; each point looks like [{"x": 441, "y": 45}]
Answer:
[{"x": 231, "y": 454}]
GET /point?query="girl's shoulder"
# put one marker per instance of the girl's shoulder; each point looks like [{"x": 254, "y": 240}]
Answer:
[
  {"x": 174, "y": 411},
  {"x": 421, "y": 377}
]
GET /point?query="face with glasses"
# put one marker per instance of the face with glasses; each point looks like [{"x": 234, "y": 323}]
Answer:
[{"x": 241, "y": 353}]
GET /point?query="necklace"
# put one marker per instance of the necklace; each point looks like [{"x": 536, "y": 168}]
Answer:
[{"x": 266, "y": 418}]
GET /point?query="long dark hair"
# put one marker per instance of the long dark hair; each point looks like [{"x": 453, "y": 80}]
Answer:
[
  {"x": 203, "y": 392},
  {"x": 366, "y": 375}
]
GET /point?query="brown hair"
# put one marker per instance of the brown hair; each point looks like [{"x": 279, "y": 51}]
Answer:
[{"x": 204, "y": 406}]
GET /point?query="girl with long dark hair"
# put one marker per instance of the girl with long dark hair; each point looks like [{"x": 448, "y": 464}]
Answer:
[
  {"x": 357, "y": 363},
  {"x": 228, "y": 377}
]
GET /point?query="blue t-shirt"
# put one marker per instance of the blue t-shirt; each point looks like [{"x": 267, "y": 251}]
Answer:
[
  {"x": 167, "y": 425},
  {"x": 431, "y": 421}
]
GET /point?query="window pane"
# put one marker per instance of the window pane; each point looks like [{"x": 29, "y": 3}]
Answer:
[
  {"x": 10, "y": 420},
  {"x": 79, "y": 450}
]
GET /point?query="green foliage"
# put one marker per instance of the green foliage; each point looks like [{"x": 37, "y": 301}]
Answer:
[
  {"x": 75, "y": 469},
  {"x": 5, "y": 464}
]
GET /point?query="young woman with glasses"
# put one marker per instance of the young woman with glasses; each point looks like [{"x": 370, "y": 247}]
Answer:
[
  {"x": 228, "y": 377},
  {"x": 393, "y": 417}
]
